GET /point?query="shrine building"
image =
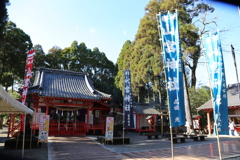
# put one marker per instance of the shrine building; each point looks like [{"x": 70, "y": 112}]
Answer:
[
  {"x": 74, "y": 105},
  {"x": 233, "y": 107}
]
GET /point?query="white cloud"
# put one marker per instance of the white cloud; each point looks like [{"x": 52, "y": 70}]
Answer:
[
  {"x": 124, "y": 33},
  {"x": 77, "y": 28}
]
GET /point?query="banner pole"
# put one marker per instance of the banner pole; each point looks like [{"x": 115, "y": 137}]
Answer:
[
  {"x": 170, "y": 123},
  {"x": 235, "y": 64},
  {"x": 210, "y": 83},
  {"x": 23, "y": 139},
  {"x": 123, "y": 125}
]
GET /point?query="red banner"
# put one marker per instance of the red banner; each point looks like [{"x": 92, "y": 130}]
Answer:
[{"x": 29, "y": 64}]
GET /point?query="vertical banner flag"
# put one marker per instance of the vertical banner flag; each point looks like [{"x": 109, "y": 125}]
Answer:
[
  {"x": 128, "y": 109},
  {"x": 173, "y": 67},
  {"x": 109, "y": 128},
  {"x": 28, "y": 75},
  {"x": 43, "y": 128},
  {"x": 214, "y": 57}
]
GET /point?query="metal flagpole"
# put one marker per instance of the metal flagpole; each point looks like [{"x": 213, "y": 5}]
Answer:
[
  {"x": 24, "y": 130},
  {"x": 170, "y": 123},
  {"x": 210, "y": 83},
  {"x": 123, "y": 122},
  {"x": 235, "y": 64},
  {"x": 31, "y": 140}
]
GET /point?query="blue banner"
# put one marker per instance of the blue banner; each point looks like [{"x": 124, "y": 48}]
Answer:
[
  {"x": 173, "y": 67},
  {"x": 214, "y": 57},
  {"x": 128, "y": 109}
]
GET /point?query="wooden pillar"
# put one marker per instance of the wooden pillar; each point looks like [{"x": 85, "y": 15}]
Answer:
[{"x": 209, "y": 122}]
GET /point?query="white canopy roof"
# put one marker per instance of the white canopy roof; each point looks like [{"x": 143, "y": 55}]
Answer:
[{"x": 10, "y": 105}]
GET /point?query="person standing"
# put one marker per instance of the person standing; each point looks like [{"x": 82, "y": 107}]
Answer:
[{"x": 231, "y": 127}]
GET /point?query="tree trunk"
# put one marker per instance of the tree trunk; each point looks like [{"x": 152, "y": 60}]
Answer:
[
  {"x": 193, "y": 69},
  {"x": 1, "y": 121},
  {"x": 187, "y": 106}
]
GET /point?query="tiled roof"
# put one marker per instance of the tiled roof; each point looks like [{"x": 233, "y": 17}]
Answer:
[
  {"x": 144, "y": 108},
  {"x": 233, "y": 98},
  {"x": 65, "y": 84}
]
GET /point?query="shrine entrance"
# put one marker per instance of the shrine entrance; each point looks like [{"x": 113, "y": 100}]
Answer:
[
  {"x": 75, "y": 120},
  {"x": 67, "y": 121}
]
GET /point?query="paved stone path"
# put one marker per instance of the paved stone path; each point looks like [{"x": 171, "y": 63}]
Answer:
[
  {"x": 79, "y": 147},
  {"x": 140, "y": 148},
  {"x": 86, "y": 148}
]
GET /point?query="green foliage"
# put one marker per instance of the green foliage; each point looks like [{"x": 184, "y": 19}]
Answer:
[
  {"x": 79, "y": 58},
  {"x": 14, "y": 94},
  {"x": 199, "y": 96},
  {"x": 142, "y": 56},
  {"x": 3, "y": 16},
  {"x": 13, "y": 52}
]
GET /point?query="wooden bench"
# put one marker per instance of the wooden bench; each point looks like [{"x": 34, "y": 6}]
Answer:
[
  {"x": 182, "y": 139},
  {"x": 116, "y": 140},
  {"x": 149, "y": 135},
  {"x": 202, "y": 137},
  {"x": 194, "y": 137}
]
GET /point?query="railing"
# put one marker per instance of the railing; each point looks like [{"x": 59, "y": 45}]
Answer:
[{"x": 71, "y": 128}]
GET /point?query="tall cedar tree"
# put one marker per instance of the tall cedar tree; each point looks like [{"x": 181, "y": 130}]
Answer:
[
  {"x": 145, "y": 59},
  {"x": 3, "y": 16},
  {"x": 13, "y": 53}
]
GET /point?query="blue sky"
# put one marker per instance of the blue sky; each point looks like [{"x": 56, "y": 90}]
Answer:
[{"x": 106, "y": 24}]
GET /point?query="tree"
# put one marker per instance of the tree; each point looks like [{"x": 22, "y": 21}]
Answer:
[
  {"x": 122, "y": 64},
  {"x": 199, "y": 96},
  {"x": 53, "y": 58},
  {"x": 14, "y": 47},
  {"x": 39, "y": 57},
  {"x": 3, "y": 16}
]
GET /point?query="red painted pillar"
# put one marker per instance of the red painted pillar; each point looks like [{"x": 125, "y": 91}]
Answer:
[
  {"x": 22, "y": 122},
  {"x": 87, "y": 119},
  {"x": 154, "y": 122},
  {"x": 137, "y": 122},
  {"x": 47, "y": 109}
]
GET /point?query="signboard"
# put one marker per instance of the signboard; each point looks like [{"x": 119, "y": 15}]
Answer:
[
  {"x": 196, "y": 124},
  {"x": 43, "y": 128},
  {"x": 109, "y": 128}
]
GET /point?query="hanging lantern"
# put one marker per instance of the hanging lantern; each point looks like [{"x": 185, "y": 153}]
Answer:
[
  {"x": 77, "y": 112},
  {"x": 62, "y": 113},
  {"x": 72, "y": 114},
  {"x": 56, "y": 111}
]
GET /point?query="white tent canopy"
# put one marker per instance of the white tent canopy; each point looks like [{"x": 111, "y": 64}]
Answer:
[{"x": 10, "y": 105}]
